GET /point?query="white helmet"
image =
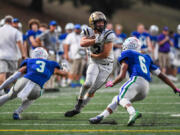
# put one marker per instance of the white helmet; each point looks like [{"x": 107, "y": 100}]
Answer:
[
  {"x": 69, "y": 26},
  {"x": 178, "y": 29},
  {"x": 154, "y": 29},
  {"x": 40, "y": 52},
  {"x": 132, "y": 43}
]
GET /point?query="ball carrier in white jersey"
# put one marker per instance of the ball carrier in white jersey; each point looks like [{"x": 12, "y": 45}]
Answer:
[{"x": 99, "y": 43}]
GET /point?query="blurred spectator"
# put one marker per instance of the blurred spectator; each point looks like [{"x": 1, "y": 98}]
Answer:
[
  {"x": 75, "y": 54},
  {"x": 164, "y": 49},
  {"x": 49, "y": 39},
  {"x": 69, "y": 27},
  {"x": 109, "y": 26},
  {"x": 11, "y": 41},
  {"x": 43, "y": 27},
  {"x": 32, "y": 33},
  {"x": 153, "y": 31},
  {"x": 172, "y": 70},
  {"x": 144, "y": 38},
  {"x": 17, "y": 24},
  {"x": 118, "y": 30}
]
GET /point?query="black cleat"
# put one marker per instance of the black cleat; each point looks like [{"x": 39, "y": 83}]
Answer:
[
  {"x": 96, "y": 120},
  {"x": 71, "y": 113}
]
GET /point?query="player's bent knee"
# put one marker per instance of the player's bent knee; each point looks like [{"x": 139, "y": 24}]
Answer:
[
  {"x": 124, "y": 102},
  {"x": 87, "y": 85}
]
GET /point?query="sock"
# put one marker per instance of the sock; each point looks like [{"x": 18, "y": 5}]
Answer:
[
  {"x": 105, "y": 113},
  {"x": 24, "y": 106},
  {"x": 110, "y": 108},
  {"x": 86, "y": 100},
  {"x": 131, "y": 110},
  {"x": 83, "y": 91}
]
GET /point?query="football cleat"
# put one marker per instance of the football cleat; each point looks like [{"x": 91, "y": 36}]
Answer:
[
  {"x": 71, "y": 113},
  {"x": 133, "y": 118},
  {"x": 16, "y": 116},
  {"x": 96, "y": 119}
]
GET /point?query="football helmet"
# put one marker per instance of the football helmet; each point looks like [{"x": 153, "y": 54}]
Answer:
[
  {"x": 40, "y": 52},
  {"x": 94, "y": 18},
  {"x": 178, "y": 29},
  {"x": 132, "y": 43},
  {"x": 154, "y": 29}
]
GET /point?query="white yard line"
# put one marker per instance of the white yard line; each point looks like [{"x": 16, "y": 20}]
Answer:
[
  {"x": 62, "y": 104},
  {"x": 92, "y": 112},
  {"x": 77, "y": 124}
]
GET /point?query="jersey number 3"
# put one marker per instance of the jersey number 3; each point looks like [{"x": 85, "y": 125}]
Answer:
[
  {"x": 142, "y": 64},
  {"x": 41, "y": 66}
]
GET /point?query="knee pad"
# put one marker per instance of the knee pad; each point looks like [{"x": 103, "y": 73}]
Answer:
[
  {"x": 12, "y": 94},
  {"x": 123, "y": 102},
  {"x": 87, "y": 84}
]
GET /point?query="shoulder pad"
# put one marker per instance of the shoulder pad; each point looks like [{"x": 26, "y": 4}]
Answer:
[{"x": 107, "y": 33}]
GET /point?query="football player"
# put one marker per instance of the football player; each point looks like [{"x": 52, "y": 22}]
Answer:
[
  {"x": 99, "y": 43},
  {"x": 136, "y": 88},
  {"x": 34, "y": 73}
]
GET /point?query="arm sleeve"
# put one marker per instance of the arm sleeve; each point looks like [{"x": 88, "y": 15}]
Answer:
[
  {"x": 124, "y": 56},
  {"x": 11, "y": 79},
  {"x": 56, "y": 65},
  {"x": 23, "y": 63},
  {"x": 43, "y": 35}
]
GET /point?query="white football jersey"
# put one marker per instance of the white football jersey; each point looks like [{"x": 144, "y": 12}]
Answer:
[{"x": 106, "y": 36}]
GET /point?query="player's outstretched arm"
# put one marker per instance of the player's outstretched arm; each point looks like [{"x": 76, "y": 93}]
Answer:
[
  {"x": 105, "y": 53},
  {"x": 86, "y": 42},
  {"x": 168, "y": 82},
  {"x": 120, "y": 77},
  {"x": 60, "y": 72},
  {"x": 13, "y": 77}
]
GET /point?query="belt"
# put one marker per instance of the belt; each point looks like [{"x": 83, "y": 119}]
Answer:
[{"x": 106, "y": 64}]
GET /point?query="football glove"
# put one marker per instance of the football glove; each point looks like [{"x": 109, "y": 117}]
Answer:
[{"x": 109, "y": 84}]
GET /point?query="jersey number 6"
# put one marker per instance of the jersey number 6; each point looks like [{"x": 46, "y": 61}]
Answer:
[
  {"x": 41, "y": 66},
  {"x": 142, "y": 64}
]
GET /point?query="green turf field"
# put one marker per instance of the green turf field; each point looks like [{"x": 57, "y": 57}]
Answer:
[{"x": 161, "y": 114}]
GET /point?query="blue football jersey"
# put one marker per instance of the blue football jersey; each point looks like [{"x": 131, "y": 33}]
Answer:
[
  {"x": 138, "y": 64},
  {"x": 39, "y": 70},
  {"x": 177, "y": 40},
  {"x": 153, "y": 38},
  {"x": 142, "y": 37}
]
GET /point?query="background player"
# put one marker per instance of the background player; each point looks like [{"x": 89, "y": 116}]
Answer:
[
  {"x": 136, "y": 88},
  {"x": 37, "y": 71},
  {"x": 100, "y": 43}
]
